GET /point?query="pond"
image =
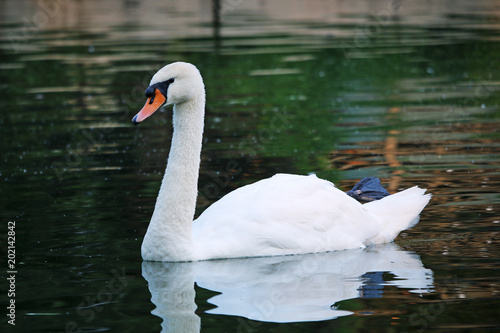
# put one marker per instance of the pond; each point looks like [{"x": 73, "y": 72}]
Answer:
[{"x": 407, "y": 91}]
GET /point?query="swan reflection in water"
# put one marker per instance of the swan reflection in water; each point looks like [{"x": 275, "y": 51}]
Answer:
[{"x": 281, "y": 289}]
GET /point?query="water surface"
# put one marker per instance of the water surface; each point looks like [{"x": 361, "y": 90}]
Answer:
[{"x": 402, "y": 90}]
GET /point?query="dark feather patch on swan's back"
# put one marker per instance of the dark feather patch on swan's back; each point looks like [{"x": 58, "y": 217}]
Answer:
[{"x": 368, "y": 189}]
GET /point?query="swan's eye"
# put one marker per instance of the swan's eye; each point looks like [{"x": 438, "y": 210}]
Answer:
[
  {"x": 161, "y": 86},
  {"x": 152, "y": 99}
]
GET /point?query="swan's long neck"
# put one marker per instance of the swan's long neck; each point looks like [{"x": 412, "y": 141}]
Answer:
[{"x": 169, "y": 235}]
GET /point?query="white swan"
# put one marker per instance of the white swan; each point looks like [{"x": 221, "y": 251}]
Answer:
[{"x": 284, "y": 214}]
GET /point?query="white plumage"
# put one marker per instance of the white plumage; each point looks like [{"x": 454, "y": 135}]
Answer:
[
  {"x": 291, "y": 214},
  {"x": 284, "y": 214}
]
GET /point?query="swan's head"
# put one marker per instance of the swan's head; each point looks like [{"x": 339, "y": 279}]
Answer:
[{"x": 176, "y": 83}]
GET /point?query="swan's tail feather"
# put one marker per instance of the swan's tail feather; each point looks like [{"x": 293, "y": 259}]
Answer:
[{"x": 398, "y": 212}]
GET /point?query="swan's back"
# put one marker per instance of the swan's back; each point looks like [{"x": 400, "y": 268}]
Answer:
[{"x": 288, "y": 214}]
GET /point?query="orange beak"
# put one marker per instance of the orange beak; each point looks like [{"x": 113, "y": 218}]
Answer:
[{"x": 152, "y": 104}]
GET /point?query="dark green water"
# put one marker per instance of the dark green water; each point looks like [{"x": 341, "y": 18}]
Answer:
[{"x": 408, "y": 91}]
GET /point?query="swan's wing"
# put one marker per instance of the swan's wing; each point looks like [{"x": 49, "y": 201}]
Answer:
[{"x": 284, "y": 214}]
